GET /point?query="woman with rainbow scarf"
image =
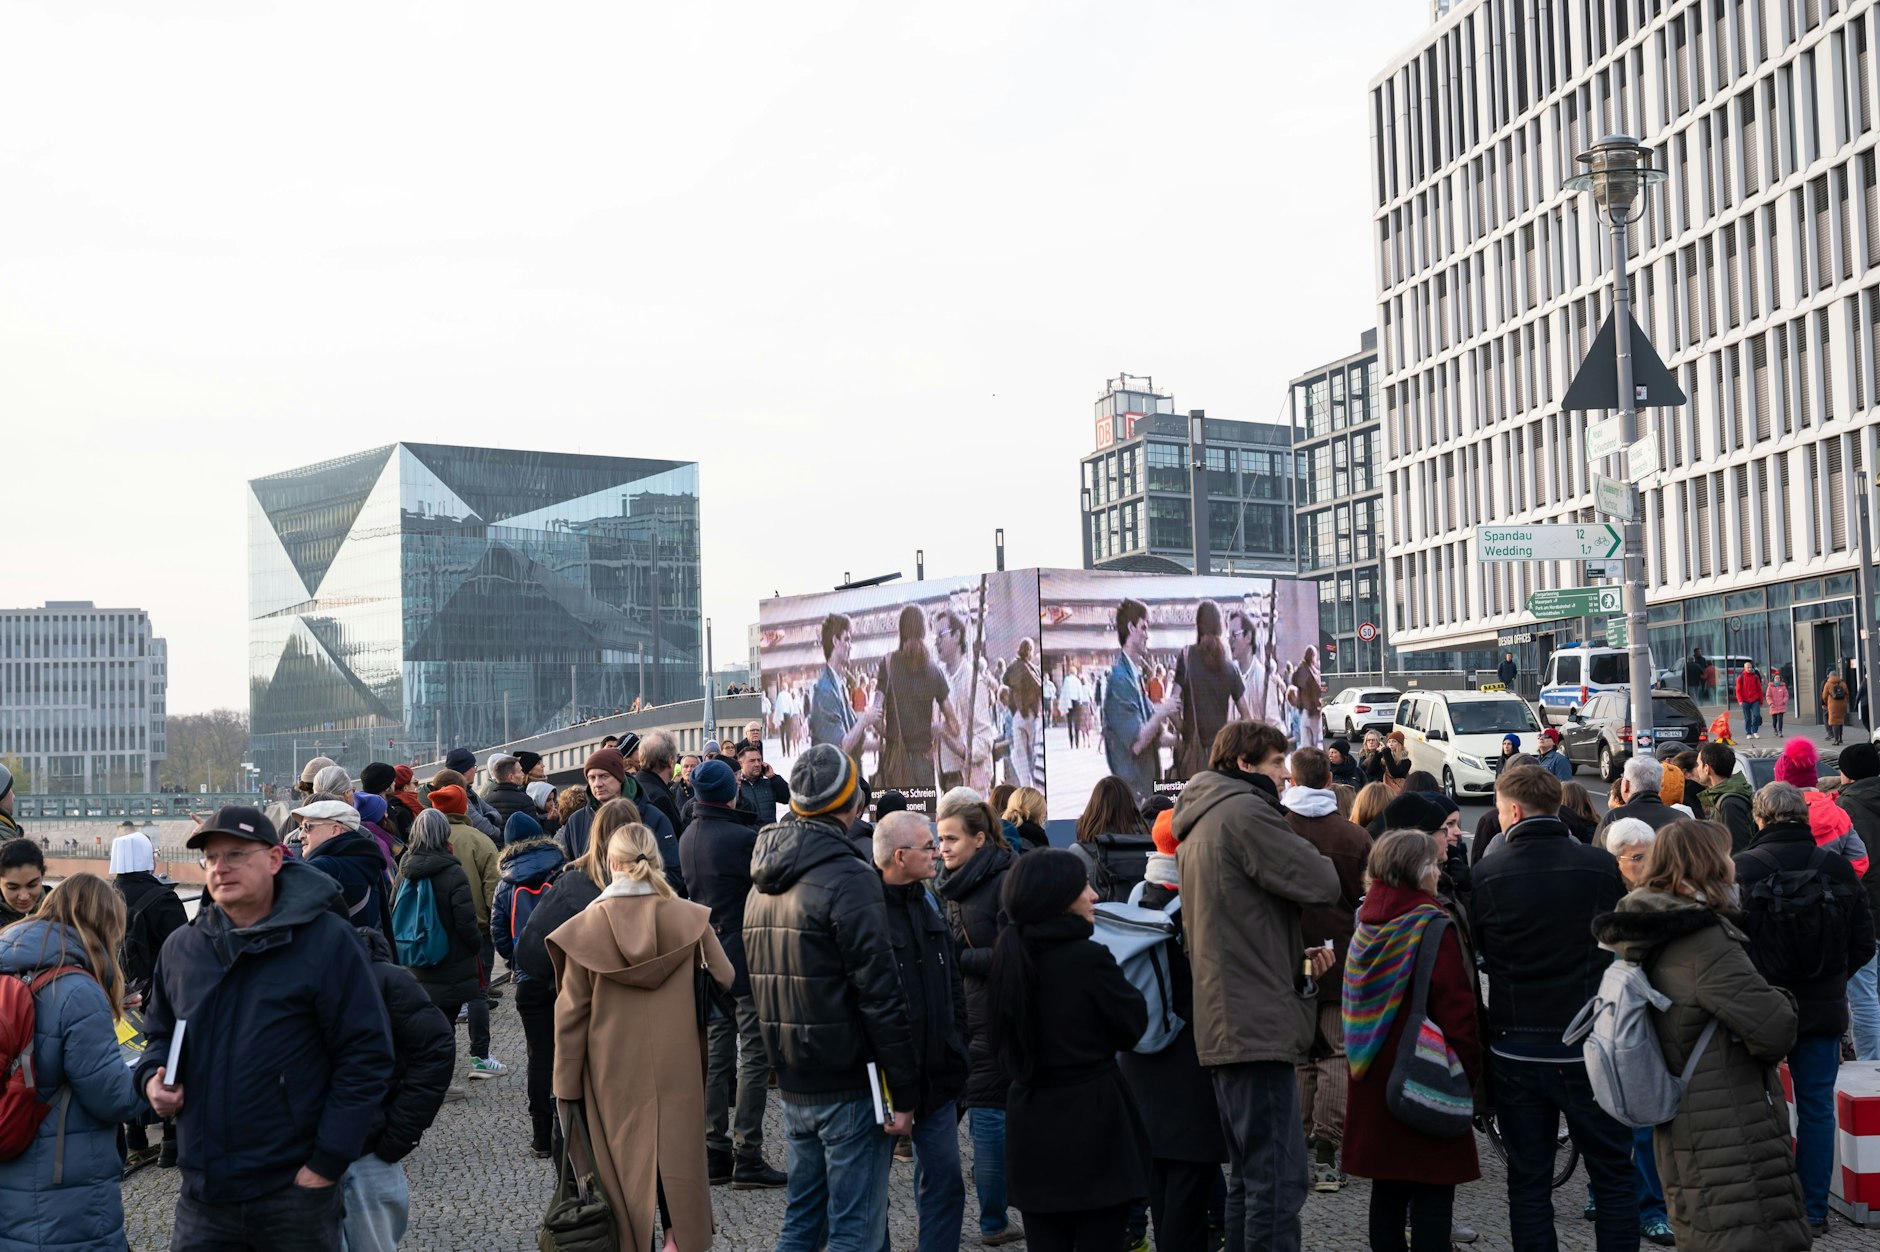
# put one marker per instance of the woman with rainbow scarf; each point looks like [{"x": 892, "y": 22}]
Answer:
[{"x": 1413, "y": 1174}]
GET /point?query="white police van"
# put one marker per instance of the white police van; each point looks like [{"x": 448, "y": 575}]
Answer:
[{"x": 1576, "y": 674}]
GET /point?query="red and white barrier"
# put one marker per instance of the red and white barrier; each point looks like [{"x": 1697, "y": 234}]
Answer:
[{"x": 1855, "y": 1188}]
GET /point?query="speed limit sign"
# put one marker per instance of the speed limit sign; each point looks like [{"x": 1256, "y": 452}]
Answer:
[{"x": 1367, "y": 631}]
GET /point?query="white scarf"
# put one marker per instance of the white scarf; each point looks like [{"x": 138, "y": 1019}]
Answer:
[{"x": 623, "y": 886}]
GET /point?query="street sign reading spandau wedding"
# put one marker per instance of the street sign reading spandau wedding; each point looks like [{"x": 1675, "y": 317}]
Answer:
[{"x": 1592, "y": 542}]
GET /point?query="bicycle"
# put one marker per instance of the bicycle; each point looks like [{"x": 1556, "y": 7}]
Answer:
[{"x": 1566, "y": 1153}]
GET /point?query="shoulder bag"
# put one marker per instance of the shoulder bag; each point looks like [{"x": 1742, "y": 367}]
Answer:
[
  {"x": 1428, "y": 1090},
  {"x": 579, "y": 1218}
]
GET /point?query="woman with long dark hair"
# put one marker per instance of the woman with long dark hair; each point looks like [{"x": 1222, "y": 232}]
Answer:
[
  {"x": 914, "y": 692},
  {"x": 1111, "y": 810},
  {"x": 1210, "y": 686},
  {"x": 1076, "y": 1149}
]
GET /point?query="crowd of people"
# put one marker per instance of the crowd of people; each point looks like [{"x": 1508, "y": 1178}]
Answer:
[{"x": 1346, "y": 989}]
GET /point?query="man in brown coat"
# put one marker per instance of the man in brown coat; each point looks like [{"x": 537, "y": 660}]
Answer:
[
  {"x": 1244, "y": 876},
  {"x": 1312, "y": 812}
]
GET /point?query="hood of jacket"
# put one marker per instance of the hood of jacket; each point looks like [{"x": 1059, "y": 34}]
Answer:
[
  {"x": 1783, "y": 832},
  {"x": 301, "y": 894},
  {"x": 40, "y": 944},
  {"x": 634, "y": 940},
  {"x": 790, "y": 849},
  {"x": 1647, "y": 920},
  {"x": 351, "y": 846},
  {"x": 1826, "y": 819},
  {"x": 962, "y": 882},
  {"x": 531, "y": 861},
  {"x": 1734, "y": 785},
  {"x": 378, "y": 947},
  {"x": 1309, "y": 801},
  {"x": 1211, "y": 788},
  {"x": 420, "y": 863}
]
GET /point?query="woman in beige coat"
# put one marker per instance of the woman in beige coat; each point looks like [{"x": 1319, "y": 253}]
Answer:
[
  {"x": 1725, "y": 1159},
  {"x": 627, "y": 1042}
]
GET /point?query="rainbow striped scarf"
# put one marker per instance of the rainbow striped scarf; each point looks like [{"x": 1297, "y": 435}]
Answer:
[{"x": 1377, "y": 975}]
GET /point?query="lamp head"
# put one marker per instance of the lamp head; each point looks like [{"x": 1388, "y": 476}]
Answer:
[{"x": 1619, "y": 168}]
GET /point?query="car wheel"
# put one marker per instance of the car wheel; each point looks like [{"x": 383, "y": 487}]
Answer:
[
  {"x": 1606, "y": 774},
  {"x": 1351, "y": 732},
  {"x": 1449, "y": 785}
]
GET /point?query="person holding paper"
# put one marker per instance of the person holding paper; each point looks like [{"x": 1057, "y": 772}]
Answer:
[{"x": 277, "y": 1010}]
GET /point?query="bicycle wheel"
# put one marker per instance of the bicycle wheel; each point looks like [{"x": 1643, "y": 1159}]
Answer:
[{"x": 1566, "y": 1155}]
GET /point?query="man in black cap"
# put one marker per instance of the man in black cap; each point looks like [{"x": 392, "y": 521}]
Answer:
[
  {"x": 276, "y": 1009},
  {"x": 478, "y": 812}
]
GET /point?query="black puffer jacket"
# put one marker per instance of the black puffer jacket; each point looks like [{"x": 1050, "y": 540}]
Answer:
[
  {"x": 1861, "y": 801},
  {"x": 930, "y": 980},
  {"x": 452, "y": 981},
  {"x": 716, "y": 854},
  {"x": 570, "y": 891},
  {"x": 509, "y": 799},
  {"x": 152, "y": 912},
  {"x": 424, "y": 1053},
  {"x": 822, "y": 966},
  {"x": 1820, "y": 1003},
  {"x": 972, "y": 897}
]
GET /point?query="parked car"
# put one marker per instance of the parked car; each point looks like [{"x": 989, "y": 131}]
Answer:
[
  {"x": 1600, "y": 734},
  {"x": 1457, "y": 735},
  {"x": 1358, "y": 709}
]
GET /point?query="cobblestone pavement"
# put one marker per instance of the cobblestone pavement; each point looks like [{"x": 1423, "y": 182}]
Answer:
[{"x": 474, "y": 1186}]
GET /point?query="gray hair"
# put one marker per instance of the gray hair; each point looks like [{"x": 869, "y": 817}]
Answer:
[
  {"x": 431, "y": 832},
  {"x": 499, "y": 764},
  {"x": 1628, "y": 832},
  {"x": 1779, "y": 802},
  {"x": 1644, "y": 774},
  {"x": 334, "y": 780},
  {"x": 955, "y": 800},
  {"x": 894, "y": 828},
  {"x": 656, "y": 752}
]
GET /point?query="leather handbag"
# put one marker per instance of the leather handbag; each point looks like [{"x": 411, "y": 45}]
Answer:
[{"x": 579, "y": 1219}]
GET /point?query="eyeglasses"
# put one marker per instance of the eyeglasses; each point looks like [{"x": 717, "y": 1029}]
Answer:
[
  {"x": 929, "y": 848},
  {"x": 1630, "y": 857},
  {"x": 232, "y": 860}
]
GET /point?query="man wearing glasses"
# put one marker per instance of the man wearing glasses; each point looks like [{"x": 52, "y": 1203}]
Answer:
[
  {"x": 908, "y": 856},
  {"x": 339, "y": 849},
  {"x": 285, "y": 1047}
]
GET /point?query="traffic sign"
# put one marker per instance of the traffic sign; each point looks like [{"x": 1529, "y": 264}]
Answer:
[
  {"x": 1615, "y": 633},
  {"x": 1613, "y": 498},
  {"x": 1641, "y": 459},
  {"x": 1367, "y": 631},
  {"x": 1595, "y": 542},
  {"x": 1574, "y": 602},
  {"x": 1604, "y": 439}
]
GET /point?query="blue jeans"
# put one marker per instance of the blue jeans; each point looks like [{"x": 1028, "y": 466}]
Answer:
[
  {"x": 1863, "y": 1005},
  {"x": 1530, "y": 1099},
  {"x": 1752, "y": 716},
  {"x": 939, "y": 1193},
  {"x": 839, "y": 1158},
  {"x": 1651, "y": 1192},
  {"x": 988, "y": 1130},
  {"x": 378, "y": 1205},
  {"x": 1813, "y": 1063}
]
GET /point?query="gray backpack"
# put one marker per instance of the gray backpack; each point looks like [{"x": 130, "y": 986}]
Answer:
[{"x": 1623, "y": 1060}]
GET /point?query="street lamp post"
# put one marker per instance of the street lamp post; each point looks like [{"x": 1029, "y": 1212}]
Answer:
[
  {"x": 1619, "y": 169},
  {"x": 1198, "y": 487},
  {"x": 1088, "y": 523}
]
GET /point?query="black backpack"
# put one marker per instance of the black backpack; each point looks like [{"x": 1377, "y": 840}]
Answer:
[
  {"x": 1798, "y": 919},
  {"x": 1121, "y": 861}
]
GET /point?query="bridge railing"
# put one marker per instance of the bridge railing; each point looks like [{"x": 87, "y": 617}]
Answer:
[{"x": 163, "y": 806}]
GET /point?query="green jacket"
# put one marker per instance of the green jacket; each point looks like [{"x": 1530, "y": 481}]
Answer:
[{"x": 1730, "y": 802}]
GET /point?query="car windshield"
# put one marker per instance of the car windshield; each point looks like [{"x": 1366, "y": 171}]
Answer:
[
  {"x": 1491, "y": 717},
  {"x": 1608, "y": 668}
]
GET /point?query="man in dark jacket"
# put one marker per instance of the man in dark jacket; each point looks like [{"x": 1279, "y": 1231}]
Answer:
[
  {"x": 378, "y": 1199},
  {"x": 606, "y": 772},
  {"x": 756, "y": 796},
  {"x": 1726, "y": 796},
  {"x": 907, "y": 856},
  {"x": 828, "y": 997},
  {"x": 1507, "y": 671},
  {"x": 1639, "y": 788},
  {"x": 655, "y": 778},
  {"x": 463, "y": 761},
  {"x": 1811, "y": 954},
  {"x": 1312, "y": 812},
  {"x": 1534, "y": 898},
  {"x": 337, "y": 848},
  {"x": 282, "y": 1014},
  {"x": 716, "y": 852},
  {"x": 509, "y": 793}
]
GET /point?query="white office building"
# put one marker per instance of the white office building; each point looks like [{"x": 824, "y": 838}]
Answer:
[
  {"x": 81, "y": 699},
  {"x": 1755, "y": 277}
]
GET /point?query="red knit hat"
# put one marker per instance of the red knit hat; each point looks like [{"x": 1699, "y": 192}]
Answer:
[
  {"x": 449, "y": 800},
  {"x": 1164, "y": 832},
  {"x": 402, "y": 773},
  {"x": 1799, "y": 765}
]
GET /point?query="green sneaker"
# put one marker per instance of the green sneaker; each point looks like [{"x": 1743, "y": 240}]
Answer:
[{"x": 486, "y": 1067}]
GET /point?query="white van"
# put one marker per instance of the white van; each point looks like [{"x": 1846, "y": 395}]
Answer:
[
  {"x": 1575, "y": 675},
  {"x": 1457, "y": 735}
]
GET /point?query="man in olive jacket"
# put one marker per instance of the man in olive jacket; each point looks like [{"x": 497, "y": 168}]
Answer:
[{"x": 1245, "y": 876}]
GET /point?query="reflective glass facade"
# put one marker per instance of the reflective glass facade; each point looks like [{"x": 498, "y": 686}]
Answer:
[{"x": 420, "y": 595}]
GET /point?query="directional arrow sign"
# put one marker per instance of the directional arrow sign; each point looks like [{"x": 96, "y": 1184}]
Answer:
[
  {"x": 1612, "y": 498},
  {"x": 1604, "y": 439},
  {"x": 1574, "y": 602},
  {"x": 1593, "y": 542},
  {"x": 1641, "y": 459}
]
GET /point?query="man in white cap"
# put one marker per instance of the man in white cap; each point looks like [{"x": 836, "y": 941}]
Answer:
[{"x": 339, "y": 849}]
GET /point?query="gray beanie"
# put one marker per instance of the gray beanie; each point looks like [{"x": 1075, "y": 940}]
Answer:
[{"x": 822, "y": 781}]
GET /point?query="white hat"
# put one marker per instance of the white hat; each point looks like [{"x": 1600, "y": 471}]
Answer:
[
  {"x": 541, "y": 793},
  {"x": 132, "y": 854},
  {"x": 330, "y": 811}
]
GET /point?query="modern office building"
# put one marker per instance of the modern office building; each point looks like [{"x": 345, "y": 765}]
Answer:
[
  {"x": 1338, "y": 447},
  {"x": 1136, "y": 498},
  {"x": 1755, "y": 276},
  {"x": 418, "y": 596},
  {"x": 82, "y": 694}
]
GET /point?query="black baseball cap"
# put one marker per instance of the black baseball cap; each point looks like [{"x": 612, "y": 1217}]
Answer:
[{"x": 240, "y": 821}]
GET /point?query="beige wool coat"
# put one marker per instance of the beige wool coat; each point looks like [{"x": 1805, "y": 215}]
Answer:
[{"x": 627, "y": 1043}]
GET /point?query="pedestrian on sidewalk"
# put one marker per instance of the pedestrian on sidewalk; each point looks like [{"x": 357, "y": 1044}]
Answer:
[
  {"x": 1776, "y": 699},
  {"x": 1835, "y": 694},
  {"x": 451, "y": 982},
  {"x": 1749, "y": 694},
  {"x": 530, "y": 860}
]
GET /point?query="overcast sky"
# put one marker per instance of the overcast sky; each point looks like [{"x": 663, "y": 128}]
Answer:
[{"x": 869, "y": 263}]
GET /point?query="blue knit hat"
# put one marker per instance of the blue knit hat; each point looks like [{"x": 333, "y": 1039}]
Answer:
[
  {"x": 520, "y": 826},
  {"x": 714, "y": 783}
]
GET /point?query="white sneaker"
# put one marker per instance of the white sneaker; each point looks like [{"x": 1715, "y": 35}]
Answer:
[{"x": 486, "y": 1067}]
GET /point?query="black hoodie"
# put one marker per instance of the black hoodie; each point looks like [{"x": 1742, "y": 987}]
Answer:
[
  {"x": 822, "y": 966},
  {"x": 424, "y": 1052}
]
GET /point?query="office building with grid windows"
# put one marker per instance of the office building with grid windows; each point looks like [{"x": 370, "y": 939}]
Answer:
[
  {"x": 1137, "y": 503},
  {"x": 1756, "y": 272},
  {"x": 82, "y": 692}
]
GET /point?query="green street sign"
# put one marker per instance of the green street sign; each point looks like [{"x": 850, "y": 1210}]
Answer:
[
  {"x": 1615, "y": 633},
  {"x": 1575, "y": 602},
  {"x": 1593, "y": 541}
]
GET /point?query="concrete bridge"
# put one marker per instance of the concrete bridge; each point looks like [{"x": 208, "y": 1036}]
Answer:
[{"x": 563, "y": 751}]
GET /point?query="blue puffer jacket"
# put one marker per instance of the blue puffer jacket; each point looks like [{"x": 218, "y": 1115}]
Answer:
[
  {"x": 526, "y": 866},
  {"x": 75, "y": 1045}
]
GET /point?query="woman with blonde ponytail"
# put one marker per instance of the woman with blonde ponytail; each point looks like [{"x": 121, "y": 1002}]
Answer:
[
  {"x": 628, "y": 1042},
  {"x": 68, "y": 952}
]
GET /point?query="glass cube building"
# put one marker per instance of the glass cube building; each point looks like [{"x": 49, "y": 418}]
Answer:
[{"x": 419, "y": 596}]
